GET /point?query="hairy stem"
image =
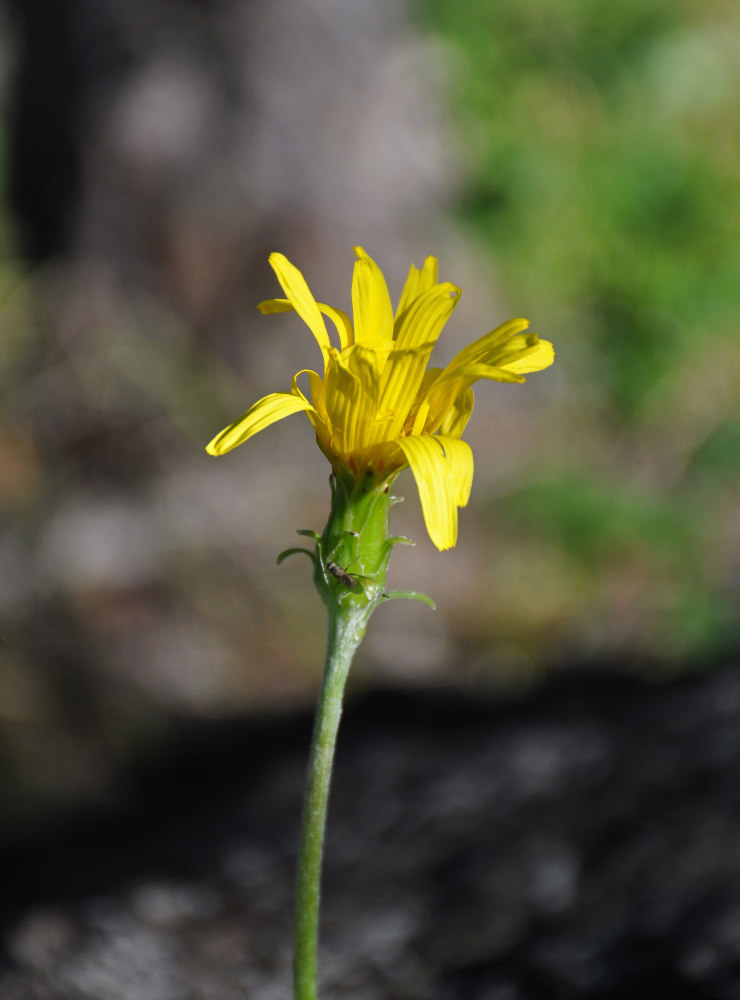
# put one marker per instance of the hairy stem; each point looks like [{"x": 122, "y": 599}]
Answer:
[{"x": 346, "y": 629}]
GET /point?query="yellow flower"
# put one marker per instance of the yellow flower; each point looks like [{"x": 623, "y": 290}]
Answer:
[{"x": 378, "y": 408}]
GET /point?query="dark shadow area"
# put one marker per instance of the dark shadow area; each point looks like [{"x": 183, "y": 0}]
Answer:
[
  {"x": 584, "y": 842},
  {"x": 69, "y": 54}
]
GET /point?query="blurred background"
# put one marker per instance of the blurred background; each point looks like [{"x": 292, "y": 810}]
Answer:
[{"x": 574, "y": 163}]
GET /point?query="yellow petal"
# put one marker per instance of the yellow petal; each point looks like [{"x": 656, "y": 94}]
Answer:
[
  {"x": 422, "y": 322},
  {"x": 443, "y": 470},
  {"x": 403, "y": 375},
  {"x": 540, "y": 355},
  {"x": 399, "y": 385},
  {"x": 264, "y": 412},
  {"x": 450, "y": 384},
  {"x": 501, "y": 356},
  {"x": 460, "y": 454},
  {"x": 317, "y": 395},
  {"x": 516, "y": 349},
  {"x": 458, "y": 414},
  {"x": 417, "y": 418},
  {"x": 340, "y": 319},
  {"x": 492, "y": 373},
  {"x": 371, "y": 303},
  {"x": 417, "y": 282},
  {"x": 485, "y": 348},
  {"x": 382, "y": 349},
  {"x": 510, "y": 350},
  {"x": 270, "y": 306},
  {"x": 316, "y": 412},
  {"x": 299, "y": 295},
  {"x": 296, "y": 389},
  {"x": 366, "y": 363},
  {"x": 420, "y": 417},
  {"x": 342, "y": 398}
]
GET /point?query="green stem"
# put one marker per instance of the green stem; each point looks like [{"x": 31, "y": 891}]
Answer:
[
  {"x": 350, "y": 566},
  {"x": 346, "y": 629}
]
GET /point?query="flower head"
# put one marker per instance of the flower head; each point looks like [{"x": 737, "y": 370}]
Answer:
[{"x": 378, "y": 408}]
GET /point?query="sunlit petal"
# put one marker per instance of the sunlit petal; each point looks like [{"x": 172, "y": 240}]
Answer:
[
  {"x": 458, "y": 414},
  {"x": 423, "y": 321},
  {"x": 365, "y": 362},
  {"x": 270, "y": 306},
  {"x": 485, "y": 347},
  {"x": 296, "y": 389},
  {"x": 540, "y": 355},
  {"x": 420, "y": 418},
  {"x": 382, "y": 349},
  {"x": 418, "y": 331},
  {"x": 343, "y": 401},
  {"x": 443, "y": 470},
  {"x": 399, "y": 387},
  {"x": 417, "y": 282},
  {"x": 450, "y": 384},
  {"x": 491, "y": 373},
  {"x": 340, "y": 319},
  {"x": 460, "y": 455},
  {"x": 298, "y": 293},
  {"x": 371, "y": 303},
  {"x": 265, "y": 411}
]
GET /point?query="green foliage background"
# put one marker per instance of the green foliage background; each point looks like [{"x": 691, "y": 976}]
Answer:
[{"x": 602, "y": 147}]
